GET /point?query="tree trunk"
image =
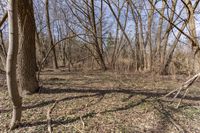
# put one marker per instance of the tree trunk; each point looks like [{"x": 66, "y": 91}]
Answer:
[
  {"x": 55, "y": 64},
  {"x": 137, "y": 46},
  {"x": 165, "y": 66},
  {"x": 148, "y": 38},
  {"x": 159, "y": 32},
  {"x": 39, "y": 49},
  {"x": 27, "y": 66},
  {"x": 142, "y": 45},
  {"x": 167, "y": 33},
  {"x": 97, "y": 45},
  {"x": 11, "y": 64},
  {"x": 137, "y": 51},
  {"x": 3, "y": 53},
  {"x": 193, "y": 35},
  {"x": 63, "y": 54},
  {"x": 3, "y": 19}
]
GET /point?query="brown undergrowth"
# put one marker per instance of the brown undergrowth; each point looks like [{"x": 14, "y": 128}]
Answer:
[{"x": 105, "y": 102}]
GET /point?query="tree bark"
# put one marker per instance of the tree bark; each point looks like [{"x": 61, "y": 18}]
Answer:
[
  {"x": 27, "y": 66},
  {"x": 11, "y": 64}
]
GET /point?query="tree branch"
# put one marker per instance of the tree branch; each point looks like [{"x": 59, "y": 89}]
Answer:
[{"x": 4, "y": 19}]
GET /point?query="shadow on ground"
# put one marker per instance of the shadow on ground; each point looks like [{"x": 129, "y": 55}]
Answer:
[
  {"x": 150, "y": 93},
  {"x": 166, "y": 116}
]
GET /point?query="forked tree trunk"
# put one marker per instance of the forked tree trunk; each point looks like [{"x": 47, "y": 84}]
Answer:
[
  {"x": 165, "y": 66},
  {"x": 27, "y": 66},
  {"x": 11, "y": 64},
  {"x": 167, "y": 33},
  {"x": 98, "y": 46}
]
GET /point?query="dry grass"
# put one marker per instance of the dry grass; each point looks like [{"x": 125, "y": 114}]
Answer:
[{"x": 104, "y": 102}]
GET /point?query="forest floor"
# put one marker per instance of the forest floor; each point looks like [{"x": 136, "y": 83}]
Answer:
[{"x": 105, "y": 102}]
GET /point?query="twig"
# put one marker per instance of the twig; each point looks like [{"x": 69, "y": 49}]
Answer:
[
  {"x": 169, "y": 116},
  {"x": 171, "y": 92},
  {"x": 182, "y": 98},
  {"x": 82, "y": 122},
  {"x": 49, "y": 117}
]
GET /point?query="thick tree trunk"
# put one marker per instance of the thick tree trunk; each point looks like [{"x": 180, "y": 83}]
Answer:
[
  {"x": 27, "y": 66},
  {"x": 55, "y": 64},
  {"x": 11, "y": 64}
]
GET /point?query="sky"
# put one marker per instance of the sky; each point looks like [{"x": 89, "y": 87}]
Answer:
[{"x": 110, "y": 20}]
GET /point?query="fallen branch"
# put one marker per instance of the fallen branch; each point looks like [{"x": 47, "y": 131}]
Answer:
[
  {"x": 185, "y": 87},
  {"x": 82, "y": 122},
  {"x": 49, "y": 117}
]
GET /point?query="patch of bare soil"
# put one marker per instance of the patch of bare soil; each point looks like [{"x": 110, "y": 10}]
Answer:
[{"x": 104, "y": 102}]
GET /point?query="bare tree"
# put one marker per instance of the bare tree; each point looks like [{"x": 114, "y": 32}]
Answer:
[
  {"x": 27, "y": 66},
  {"x": 11, "y": 64},
  {"x": 167, "y": 32},
  {"x": 193, "y": 34},
  {"x": 118, "y": 43},
  {"x": 55, "y": 64},
  {"x": 159, "y": 32},
  {"x": 98, "y": 44},
  {"x": 3, "y": 52},
  {"x": 148, "y": 35}
]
